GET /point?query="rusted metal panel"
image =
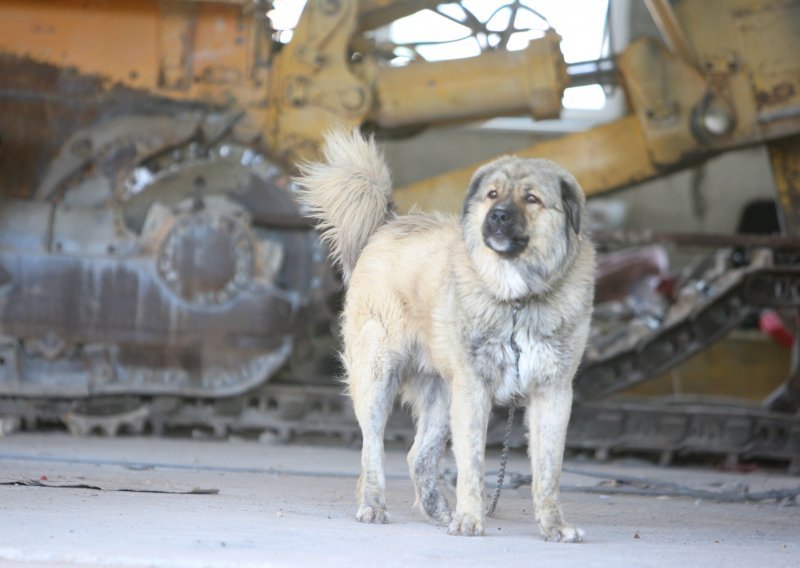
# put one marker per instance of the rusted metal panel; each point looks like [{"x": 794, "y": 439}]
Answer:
[
  {"x": 771, "y": 33},
  {"x": 747, "y": 50},
  {"x": 202, "y": 51},
  {"x": 42, "y": 106},
  {"x": 176, "y": 45}
]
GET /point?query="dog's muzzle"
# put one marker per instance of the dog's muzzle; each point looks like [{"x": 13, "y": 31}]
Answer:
[{"x": 504, "y": 230}]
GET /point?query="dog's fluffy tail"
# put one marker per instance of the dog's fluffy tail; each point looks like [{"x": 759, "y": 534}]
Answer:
[{"x": 349, "y": 194}]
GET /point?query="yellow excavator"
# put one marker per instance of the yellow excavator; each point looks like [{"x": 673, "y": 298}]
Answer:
[{"x": 156, "y": 272}]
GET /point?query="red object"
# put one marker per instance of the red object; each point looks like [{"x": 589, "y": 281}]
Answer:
[
  {"x": 619, "y": 272},
  {"x": 666, "y": 287},
  {"x": 771, "y": 324},
  {"x": 43, "y": 478}
]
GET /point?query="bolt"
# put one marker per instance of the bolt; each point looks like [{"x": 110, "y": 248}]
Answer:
[
  {"x": 716, "y": 120},
  {"x": 353, "y": 99}
]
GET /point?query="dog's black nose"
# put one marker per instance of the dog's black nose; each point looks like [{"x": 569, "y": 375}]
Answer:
[
  {"x": 504, "y": 229},
  {"x": 501, "y": 216}
]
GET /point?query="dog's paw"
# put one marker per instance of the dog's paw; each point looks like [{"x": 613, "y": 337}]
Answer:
[
  {"x": 466, "y": 524},
  {"x": 563, "y": 533},
  {"x": 373, "y": 515},
  {"x": 436, "y": 509},
  {"x": 442, "y": 518}
]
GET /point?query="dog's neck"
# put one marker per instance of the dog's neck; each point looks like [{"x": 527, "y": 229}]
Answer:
[
  {"x": 520, "y": 284},
  {"x": 518, "y": 280}
]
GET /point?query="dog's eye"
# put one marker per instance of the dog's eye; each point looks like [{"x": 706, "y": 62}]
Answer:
[
  {"x": 531, "y": 198},
  {"x": 492, "y": 194}
]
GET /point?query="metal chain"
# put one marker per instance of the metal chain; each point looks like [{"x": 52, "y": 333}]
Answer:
[
  {"x": 503, "y": 460},
  {"x": 510, "y": 423}
]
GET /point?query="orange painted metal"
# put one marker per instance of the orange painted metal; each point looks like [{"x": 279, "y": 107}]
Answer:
[{"x": 210, "y": 52}]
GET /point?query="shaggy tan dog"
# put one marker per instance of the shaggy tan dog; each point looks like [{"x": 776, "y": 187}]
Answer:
[{"x": 455, "y": 314}]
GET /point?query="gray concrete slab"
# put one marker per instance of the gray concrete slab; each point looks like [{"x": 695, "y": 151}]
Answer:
[{"x": 294, "y": 506}]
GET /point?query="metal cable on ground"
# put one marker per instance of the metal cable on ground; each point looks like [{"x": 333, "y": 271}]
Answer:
[
  {"x": 628, "y": 485},
  {"x": 632, "y": 485}
]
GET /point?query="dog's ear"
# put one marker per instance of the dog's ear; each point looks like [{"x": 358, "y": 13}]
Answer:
[
  {"x": 571, "y": 197},
  {"x": 474, "y": 184}
]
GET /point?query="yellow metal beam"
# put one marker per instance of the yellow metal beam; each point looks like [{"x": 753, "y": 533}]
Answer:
[
  {"x": 609, "y": 156},
  {"x": 496, "y": 82}
]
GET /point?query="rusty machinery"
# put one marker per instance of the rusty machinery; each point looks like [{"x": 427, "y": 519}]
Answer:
[{"x": 155, "y": 271}]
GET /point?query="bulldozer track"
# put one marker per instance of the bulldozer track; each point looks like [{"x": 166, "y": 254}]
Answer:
[{"x": 286, "y": 408}]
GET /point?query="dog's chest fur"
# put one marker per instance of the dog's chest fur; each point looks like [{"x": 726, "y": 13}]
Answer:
[{"x": 536, "y": 334}]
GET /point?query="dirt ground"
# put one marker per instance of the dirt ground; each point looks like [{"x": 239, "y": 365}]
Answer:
[{"x": 294, "y": 506}]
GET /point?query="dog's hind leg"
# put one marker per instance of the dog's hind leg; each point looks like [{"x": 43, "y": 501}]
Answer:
[
  {"x": 548, "y": 415},
  {"x": 373, "y": 376},
  {"x": 430, "y": 399}
]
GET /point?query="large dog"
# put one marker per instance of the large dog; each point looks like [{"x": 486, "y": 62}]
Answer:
[{"x": 455, "y": 315}]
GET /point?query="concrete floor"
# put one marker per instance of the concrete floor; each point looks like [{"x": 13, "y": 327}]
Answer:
[{"x": 294, "y": 506}]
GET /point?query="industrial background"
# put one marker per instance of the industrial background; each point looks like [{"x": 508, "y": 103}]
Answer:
[{"x": 159, "y": 284}]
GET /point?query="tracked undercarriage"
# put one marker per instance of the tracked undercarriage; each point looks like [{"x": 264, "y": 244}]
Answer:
[{"x": 205, "y": 251}]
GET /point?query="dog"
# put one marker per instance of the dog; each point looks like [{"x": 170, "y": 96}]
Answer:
[{"x": 455, "y": 314}]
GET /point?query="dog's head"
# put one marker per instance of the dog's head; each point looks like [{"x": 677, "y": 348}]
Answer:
[{"x": 522, "y": 224}]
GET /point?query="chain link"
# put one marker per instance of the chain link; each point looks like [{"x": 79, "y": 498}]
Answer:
[
  {"x": 510, "y": 423},
  {"x": 503, "y": 461}
]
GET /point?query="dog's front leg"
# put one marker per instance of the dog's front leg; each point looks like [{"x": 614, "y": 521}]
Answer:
[
  {"x": 469, "y": 420},
  {"x": 548, "y": 415}
]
